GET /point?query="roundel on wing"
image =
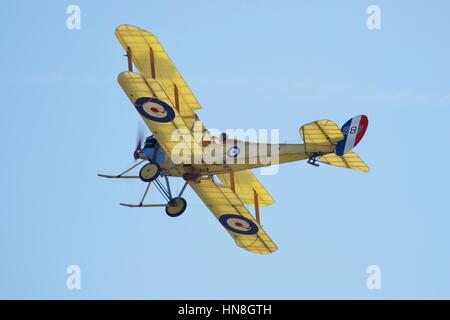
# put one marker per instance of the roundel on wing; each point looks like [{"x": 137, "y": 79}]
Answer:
[
  {"x": 239, "y": 224},
  {"x": 154, "y": 109}
]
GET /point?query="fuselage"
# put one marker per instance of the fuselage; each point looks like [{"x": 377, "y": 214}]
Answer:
[{"x": 232, "y": 155}]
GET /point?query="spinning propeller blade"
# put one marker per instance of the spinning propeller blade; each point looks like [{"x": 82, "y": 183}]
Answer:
[{"x": 139, "y": 142}]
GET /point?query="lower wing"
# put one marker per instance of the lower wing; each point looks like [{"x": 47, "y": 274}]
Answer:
[{"x": 234, "y": 216}]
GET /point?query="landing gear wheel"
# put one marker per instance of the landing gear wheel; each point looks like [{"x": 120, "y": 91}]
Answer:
[
  {"x": 176, "y": 207},
  {"x": 149, "y": 172}
]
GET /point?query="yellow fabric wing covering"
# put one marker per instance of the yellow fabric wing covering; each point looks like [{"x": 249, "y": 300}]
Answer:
[
  {"x": 349, "y": 160},
  {"x": 221, "y": 200},
  {"x": 321, "y": 132},
  {"x": 246, "y": 184},
  {"x": 135, "y": 86},
  {"x": 153, "y": 63}
]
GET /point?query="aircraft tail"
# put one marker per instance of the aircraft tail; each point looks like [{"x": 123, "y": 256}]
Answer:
[{"x": 326, "y": 133}]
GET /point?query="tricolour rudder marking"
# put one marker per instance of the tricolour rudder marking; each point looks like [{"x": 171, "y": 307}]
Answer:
[{"x": 353, "y": 130}]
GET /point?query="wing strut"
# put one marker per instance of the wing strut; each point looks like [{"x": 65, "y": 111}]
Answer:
[
  {"x": 255, "y": 196},
  {"x": 233, "y": 188},
  {"x": 130, "y": 59},
  {"x": 177, "y": 97},
  {"x": 152, "y": 64}
]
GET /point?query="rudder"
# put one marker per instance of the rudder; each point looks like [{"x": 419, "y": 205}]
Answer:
[{"x": 353, "y": 131}]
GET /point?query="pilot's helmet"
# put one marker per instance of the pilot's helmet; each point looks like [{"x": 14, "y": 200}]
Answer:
[{"x": 150, "y": 141}]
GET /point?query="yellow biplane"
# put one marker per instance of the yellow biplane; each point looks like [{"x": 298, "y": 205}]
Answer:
[{"x": 223, "y": 181}]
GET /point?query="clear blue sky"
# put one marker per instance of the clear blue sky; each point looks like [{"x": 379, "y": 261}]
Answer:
[{"x": 252, "y": 64}]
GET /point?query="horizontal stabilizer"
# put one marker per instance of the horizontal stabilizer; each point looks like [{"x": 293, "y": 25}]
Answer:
[
  {"x": 321, "y": 132},
  {"x": 349, "y": 160}
]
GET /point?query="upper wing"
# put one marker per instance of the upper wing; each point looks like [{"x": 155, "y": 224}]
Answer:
[
  {"x": 321, "y": 132},
  {"x": 151, "y": 101},
  {"x": 246, "y": 185},
  {"x": 349, "y": 160},
  {"x": 153, "y": 63},
  {"x": 234, "y": 216}
]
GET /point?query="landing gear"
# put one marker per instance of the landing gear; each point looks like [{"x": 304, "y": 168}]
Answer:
[
  {"x": 176, "y": 207},
  {"x": 149, "y": 172}
]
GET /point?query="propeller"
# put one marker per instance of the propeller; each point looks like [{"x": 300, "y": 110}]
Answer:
[{"x": 139, "y": 142}]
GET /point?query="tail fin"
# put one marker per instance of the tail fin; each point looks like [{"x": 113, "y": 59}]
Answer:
[
  {"x": 321, "y": 133},
  {"x": 353, "y": 130}
]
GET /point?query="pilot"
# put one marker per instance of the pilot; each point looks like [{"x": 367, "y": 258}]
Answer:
[{"x": 150, "y": 142}]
